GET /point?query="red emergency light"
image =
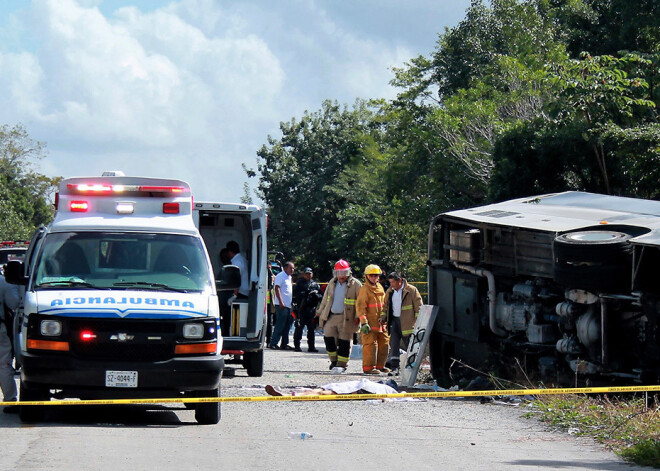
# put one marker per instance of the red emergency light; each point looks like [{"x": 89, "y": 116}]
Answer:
[
  {"x": 79, "y": 206},
  {"x": 106, "y": 189},
  {"x": 162, "y": 189},
  {"x": 170, "y": 208},
  {"x": 85, "y": 188},
  {"x": 87, "y": 335}
]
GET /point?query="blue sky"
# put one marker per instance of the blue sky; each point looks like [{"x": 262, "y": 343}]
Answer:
[{"x": 191, "y": 89}]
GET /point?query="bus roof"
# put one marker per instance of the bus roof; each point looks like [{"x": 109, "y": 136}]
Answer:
[{"x": 570, "y": 211}]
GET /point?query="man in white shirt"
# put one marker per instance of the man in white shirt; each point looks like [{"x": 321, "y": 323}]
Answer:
[
  {"x": 238, "y": 260},
  {"x": 402, "y": 303},
  {"x": 283, "y": 298}
]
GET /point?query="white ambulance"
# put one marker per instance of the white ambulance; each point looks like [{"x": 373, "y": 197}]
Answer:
[
  {"x": 120, "y": 298},
  {"x": 243, "y": 317}
]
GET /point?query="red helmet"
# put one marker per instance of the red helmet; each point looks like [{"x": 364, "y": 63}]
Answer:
[
  {"x": 342, "y": 268},
  {"x": 342, "y": 265}
]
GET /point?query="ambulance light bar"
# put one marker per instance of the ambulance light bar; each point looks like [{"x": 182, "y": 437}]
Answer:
[{"x": 104, "y": 189}]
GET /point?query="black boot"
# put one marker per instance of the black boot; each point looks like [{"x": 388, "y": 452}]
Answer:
[{"x": 395, "y": 367}]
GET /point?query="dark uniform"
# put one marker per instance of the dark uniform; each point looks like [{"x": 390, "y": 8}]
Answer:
[{"x": 306, "y": 296}]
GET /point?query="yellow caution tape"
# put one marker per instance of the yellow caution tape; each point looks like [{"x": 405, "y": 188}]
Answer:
[{"x": 343, "y": 397}]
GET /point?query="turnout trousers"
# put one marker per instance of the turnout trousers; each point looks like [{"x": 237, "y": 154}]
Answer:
[{"x": 375, "y": 346}]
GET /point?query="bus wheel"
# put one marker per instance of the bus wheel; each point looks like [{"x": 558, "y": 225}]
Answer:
[{"x": 598, "y": 261}]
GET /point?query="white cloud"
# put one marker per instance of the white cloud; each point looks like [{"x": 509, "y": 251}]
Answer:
[{"x": 190, "y": 89}]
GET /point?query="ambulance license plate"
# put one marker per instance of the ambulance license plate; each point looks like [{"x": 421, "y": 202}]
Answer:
[{"x": 121, "y": 379}]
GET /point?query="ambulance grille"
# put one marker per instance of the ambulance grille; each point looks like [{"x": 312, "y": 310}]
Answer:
[{"x": 120, "y": 340}]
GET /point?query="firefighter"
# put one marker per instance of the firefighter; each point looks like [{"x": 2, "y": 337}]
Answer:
[
  {"x": 337, "y": 317},
  {"x": 369, "y": 308},
  {"x": 402, "y": 303}
]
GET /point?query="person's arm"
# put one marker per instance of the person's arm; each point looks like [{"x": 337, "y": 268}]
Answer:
[
  {"x": 361, "y": 311},
  {"x": 10, "y": 295},
  {"x": 324, "y": 301},
  {"x": 417, "y": 300},
  {"x": 278, "y": 294},
  {"x": 386, "y": 303}
]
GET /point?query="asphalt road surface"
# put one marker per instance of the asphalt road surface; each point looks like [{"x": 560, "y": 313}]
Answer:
[{"x": 430, "y": 434}]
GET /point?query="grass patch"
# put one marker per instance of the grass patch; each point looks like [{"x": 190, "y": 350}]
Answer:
[{"x": 624, "y": 423}]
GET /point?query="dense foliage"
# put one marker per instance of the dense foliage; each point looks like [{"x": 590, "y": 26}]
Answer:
[
  {"x": 522, "y": 97},
  {"x": 24, "y": 194}
]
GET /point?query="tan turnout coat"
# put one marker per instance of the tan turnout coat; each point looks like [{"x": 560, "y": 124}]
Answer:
[
  {"x": 411, "y": 301},
  {"x": 323, "y": 311}
]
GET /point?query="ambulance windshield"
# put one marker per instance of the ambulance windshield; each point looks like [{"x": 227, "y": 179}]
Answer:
[{"x": 95, "y": 260}]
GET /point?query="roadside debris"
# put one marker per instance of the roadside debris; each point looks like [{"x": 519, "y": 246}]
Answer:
[{"x": 300, "y": 435}]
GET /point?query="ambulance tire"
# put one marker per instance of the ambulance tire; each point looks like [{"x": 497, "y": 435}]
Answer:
[
  {"x": 32, "y": 413},
  {"x": 254, "y": 363},
  {"x": 208, "y": 413}
]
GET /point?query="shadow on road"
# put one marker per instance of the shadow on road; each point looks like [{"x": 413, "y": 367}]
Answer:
[
  {"x": 123, "y": 415},
  {"x": 559, "y": 464}
]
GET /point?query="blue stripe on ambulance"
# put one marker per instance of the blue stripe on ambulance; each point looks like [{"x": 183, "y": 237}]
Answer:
[{"x": 117, "y": 313}]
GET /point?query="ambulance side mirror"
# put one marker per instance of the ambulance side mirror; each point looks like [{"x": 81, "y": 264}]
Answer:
[
  {"x": 230, "y": 278},
  {"x": 14, "y": 273}
]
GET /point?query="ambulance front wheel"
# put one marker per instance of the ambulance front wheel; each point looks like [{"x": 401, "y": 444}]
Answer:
[
  {"x": 32, "y": 413},
  {"x": 208, "y": 413}
]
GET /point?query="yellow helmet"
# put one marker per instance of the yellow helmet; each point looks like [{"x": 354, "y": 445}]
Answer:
[{"x": 372, "y": 270}]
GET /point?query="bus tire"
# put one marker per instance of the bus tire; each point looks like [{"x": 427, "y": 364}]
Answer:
[{"x": 601, "y": 247}]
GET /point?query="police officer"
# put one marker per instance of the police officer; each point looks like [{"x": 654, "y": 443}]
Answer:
[
  {"x": 9, "y": 296},
  {"x": 306, "y": 296}
]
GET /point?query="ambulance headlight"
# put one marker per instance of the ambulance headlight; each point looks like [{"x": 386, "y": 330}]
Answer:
[
  {"x": 51, "y": 328},
  {"x": 193, "y": 331}
]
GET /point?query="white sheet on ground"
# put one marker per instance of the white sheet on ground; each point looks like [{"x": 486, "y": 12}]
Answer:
[{"x": 348, "y": 387}]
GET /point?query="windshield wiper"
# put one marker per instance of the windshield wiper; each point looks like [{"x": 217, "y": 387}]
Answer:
[
  {"x": 76, "y": 283},
  {"x": 147, "y": 285}
]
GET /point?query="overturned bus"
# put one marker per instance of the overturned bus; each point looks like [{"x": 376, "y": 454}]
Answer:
[{"x": 566, "y": 284}]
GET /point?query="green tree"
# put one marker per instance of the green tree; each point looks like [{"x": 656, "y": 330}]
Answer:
[
  {"x": 605, "y": 27},
  {"x": 297, "y": 173},
  {"x": 598, "y": 134},
  {"x": 507, "y": 28},
  {"x": 24, "y": 193},
  {"x": 596, "y": 93}
]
